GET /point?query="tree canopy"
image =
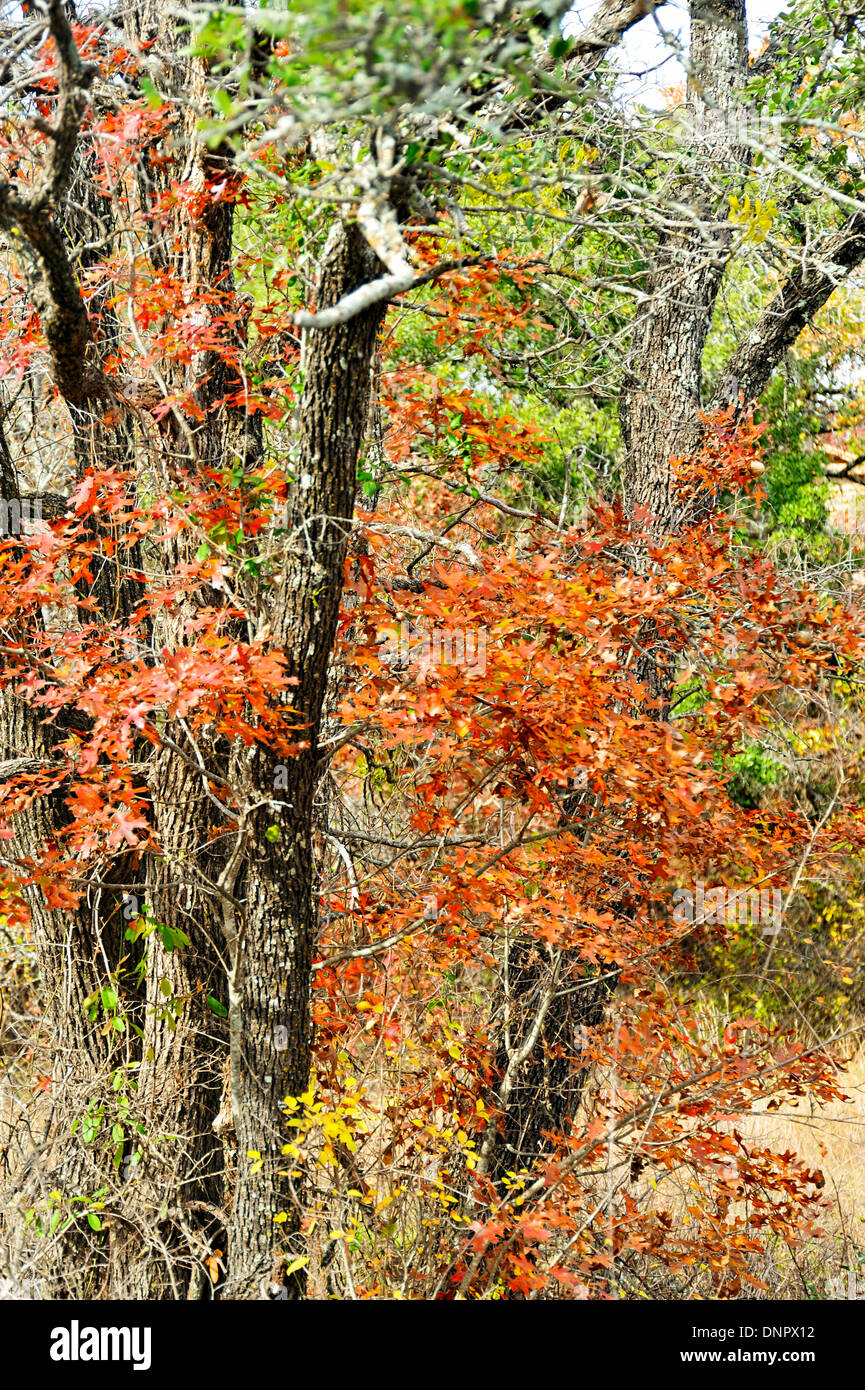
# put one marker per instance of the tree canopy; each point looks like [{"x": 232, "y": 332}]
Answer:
[{"x": 431, "y": 797}]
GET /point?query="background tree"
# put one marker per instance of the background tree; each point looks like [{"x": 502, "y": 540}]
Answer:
[{"x": 309, "y": 930}]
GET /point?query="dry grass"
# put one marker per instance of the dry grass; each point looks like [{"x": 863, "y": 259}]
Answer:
[
  {"x": 833, "y": 1140},
  {"x": 825, "y": 1266}
]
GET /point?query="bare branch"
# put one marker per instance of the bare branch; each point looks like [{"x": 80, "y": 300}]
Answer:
[
  {"x": 385, "y": 287},
  {"x": 801, "y": 296},
  {"x": 34, "y": 233},
  {"x": 74, "y": 79}
]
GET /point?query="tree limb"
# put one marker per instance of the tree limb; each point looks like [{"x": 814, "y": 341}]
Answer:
[
  {"x": 802, "y": 295},
  {"x": 30, "y": 224},
  {"x": 385, "y": 287}
]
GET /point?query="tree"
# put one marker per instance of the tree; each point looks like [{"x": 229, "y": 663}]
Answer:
[{"x": 207, "y": 215}]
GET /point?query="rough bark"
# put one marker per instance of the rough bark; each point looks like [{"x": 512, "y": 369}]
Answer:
[
  {"x": 168, "y": 1220},
  {"x": 795, "y": 305},
  {"x": 660, "y": 401},
  {"x": 182, "y": 1197},
  {"x": 175, "y": 1219},
  {"x": 30, "y": 219},
  {"x": 544, "y": 1091},
  {"x": 77, "y": 949},
  {"x": 272, "y": 952}
]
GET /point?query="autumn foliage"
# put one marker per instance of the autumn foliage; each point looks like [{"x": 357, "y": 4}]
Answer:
[{"x": 533, "y": 807}]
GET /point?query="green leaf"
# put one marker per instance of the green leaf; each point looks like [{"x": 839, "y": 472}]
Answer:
[
  {"x": 90, "y": 1127},
  {"x": 272, "y": 834},
  {"x": 173, "y": 939},
  {"x": 93, "y": 1221},
  {"x": 223, "y": 103},
  {"x": 150, "y": 92},
  {"x": 215, "y": 1007}
]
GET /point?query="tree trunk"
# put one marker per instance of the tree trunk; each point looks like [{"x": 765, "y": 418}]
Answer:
[
  {"x": 660, "y": 401},
  {"x": 182, "y": 1197},
  {"x": 271, "y": 955},
  {"x": 659, "y": 415}
]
